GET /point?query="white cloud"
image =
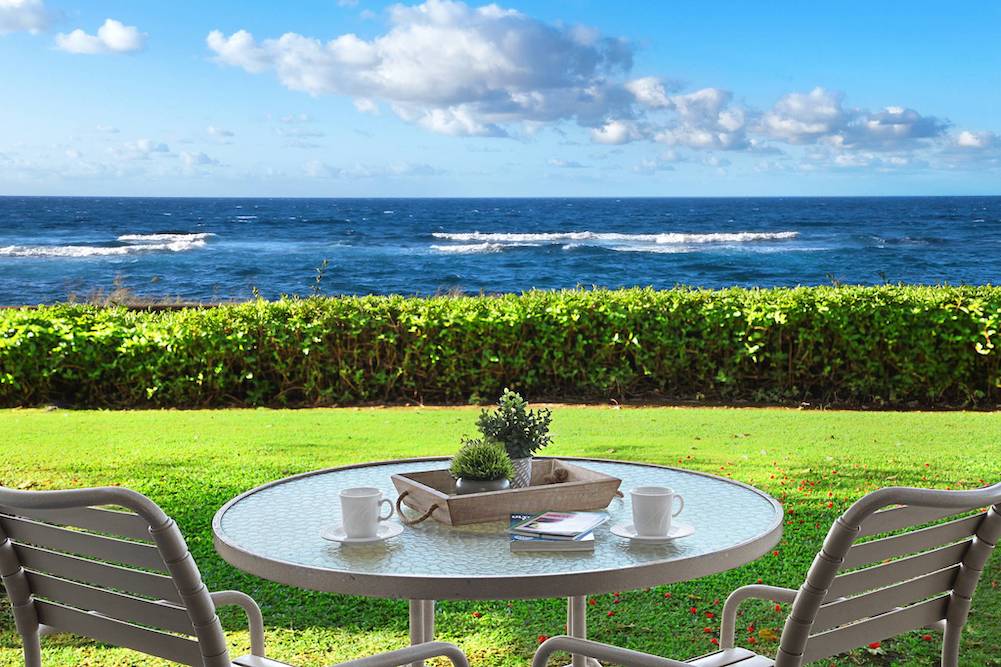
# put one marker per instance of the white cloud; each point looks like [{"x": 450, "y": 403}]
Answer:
[
  {"x": 707, "y": 119},
  {"x": 803, "y": 118},
  {"x": 23, "y": 16},
  {"x": 460, "y": 70},
  {"x": 218, "y": 132},
  {"x": 191, "y": 160},
  {"x": 651, "y": 92},
  {"x": 366, "y": 105},
  {"x": 318, "y": 169},
  {"x": 649, "y": 166},
  {"x": 297, "y": 132},
  {"x": 566, "y": 164},
  {"x": 967, "y": 140},
  {"x": 892, "y": 128},
  {"x": 150, "y": 146},
  {"x": 971, "y": 149},
  {"x": 819, "y": 116},
  {"x": 452, "y": 68},
  {"x": 112, "y": 37},
  {"x": 140, "y": 149},
  {"x": 616, "y": 132}
]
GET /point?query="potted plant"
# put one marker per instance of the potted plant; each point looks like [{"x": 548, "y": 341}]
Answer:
[
  {"x": 522, "y": 432},
  {"x": 481, "y": 465}
]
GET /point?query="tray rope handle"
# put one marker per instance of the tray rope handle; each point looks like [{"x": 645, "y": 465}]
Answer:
[{"x": 412, "y": 522}]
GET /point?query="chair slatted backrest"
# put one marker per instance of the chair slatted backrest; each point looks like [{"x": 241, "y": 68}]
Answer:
[
  {"x": 897, "y": 560},
  {"x": 120, "y": 577}
]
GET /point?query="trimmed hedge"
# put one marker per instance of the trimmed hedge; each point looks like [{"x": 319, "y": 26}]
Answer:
[{"x": 849, "y": 346}]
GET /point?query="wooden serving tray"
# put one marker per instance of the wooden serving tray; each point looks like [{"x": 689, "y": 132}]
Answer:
[{"x": 584, "y": 490}]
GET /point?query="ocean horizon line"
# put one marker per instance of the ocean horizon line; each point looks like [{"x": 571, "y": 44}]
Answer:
[{"x": 508, "y": 197}]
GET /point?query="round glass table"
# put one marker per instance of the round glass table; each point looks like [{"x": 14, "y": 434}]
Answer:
[{"x": 273, "y": 532}]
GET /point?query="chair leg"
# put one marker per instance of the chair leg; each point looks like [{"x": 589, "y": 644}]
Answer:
[
  {"x": 950, "y": 644},
  {"x": 32, "y": 650}
]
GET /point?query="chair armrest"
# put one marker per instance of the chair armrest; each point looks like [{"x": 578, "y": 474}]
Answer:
[
  {"x": 612, "y": 654},
  {"x": 728, "y": 625},
  {"x": 255, "y": 620},
  {"x": 416, "y": 653}
]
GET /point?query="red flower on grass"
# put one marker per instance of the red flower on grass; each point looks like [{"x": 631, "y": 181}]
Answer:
[
  {"x": 543, "y": 638},
  {"x": 874, "y": 645},
  {"x": 477, "y": 614}
]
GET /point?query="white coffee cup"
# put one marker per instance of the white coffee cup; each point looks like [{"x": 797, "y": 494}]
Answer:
[
  {"x": 653, "y": 509},
  {"x": 360, "y": 511}
]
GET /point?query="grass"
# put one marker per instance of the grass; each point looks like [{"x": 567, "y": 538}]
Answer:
[{"x": 816, "y": 463}]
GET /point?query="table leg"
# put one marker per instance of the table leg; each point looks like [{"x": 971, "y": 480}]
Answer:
[
  {"x": 421, "y": 624},
  {"x": 577, "y": 627}
]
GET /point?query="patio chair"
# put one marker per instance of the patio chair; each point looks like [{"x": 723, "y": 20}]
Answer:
[
  {"x": 127, "y": 579},
  {"x": 918, "y": 576}
]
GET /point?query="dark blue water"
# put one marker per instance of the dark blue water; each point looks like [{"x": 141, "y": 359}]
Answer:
[{"x": 222, "y": 249}]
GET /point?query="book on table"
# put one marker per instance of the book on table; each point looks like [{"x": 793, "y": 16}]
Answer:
[
  {"x": 559, "y": 525},
  {"x": 536, "y": 543}
]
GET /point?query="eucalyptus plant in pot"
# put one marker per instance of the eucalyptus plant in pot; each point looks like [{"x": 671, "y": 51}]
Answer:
[
  {"x": 480, "y": 466},
  {"x": 522, "y": 432}
]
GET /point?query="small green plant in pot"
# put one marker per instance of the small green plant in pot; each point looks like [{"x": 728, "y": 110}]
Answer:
[
  {"x": 481, "y": 465},
  {"x": 522, "y": 432}
]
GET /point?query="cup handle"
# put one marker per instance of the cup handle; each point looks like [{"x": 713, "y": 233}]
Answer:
[
  {"x": 681, "y": 506},
  {"x": 390, "y": 504}
]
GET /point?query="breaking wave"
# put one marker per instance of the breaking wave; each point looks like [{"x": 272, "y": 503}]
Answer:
[
  {"x": 472, "y": 248},
  {"x": 132, "y": 244},
  {"x": 164, "y": 237},
  {"x": 671, "y": 237},
  {"x": 669, "y": 242}
]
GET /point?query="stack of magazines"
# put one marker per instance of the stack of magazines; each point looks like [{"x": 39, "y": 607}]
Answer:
[{"x": 555, "y": 531}]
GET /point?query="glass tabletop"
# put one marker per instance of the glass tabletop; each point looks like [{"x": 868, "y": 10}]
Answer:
[{"x": 274, "y": 532}]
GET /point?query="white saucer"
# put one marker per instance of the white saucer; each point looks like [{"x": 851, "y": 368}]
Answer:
[
  {"x": 386, "y": 531},
  {"x": 677, "y": 531}
]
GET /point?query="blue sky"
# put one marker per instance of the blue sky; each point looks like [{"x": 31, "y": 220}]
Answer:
[{"x": 574, "y": 98}]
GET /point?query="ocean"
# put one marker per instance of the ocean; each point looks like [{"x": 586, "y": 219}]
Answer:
[{"x": 56, "y": 248}]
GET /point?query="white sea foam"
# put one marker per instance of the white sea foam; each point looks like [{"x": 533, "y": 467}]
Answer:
[
  {"x": 659, "y": 249},
  {"x": 611, "y": 237},
  {"x": 95, "y": 251},
  {"x": 134, "y": 244},
  {"x": 169, "y": 237},
  {"x": 471, "y": 248}
]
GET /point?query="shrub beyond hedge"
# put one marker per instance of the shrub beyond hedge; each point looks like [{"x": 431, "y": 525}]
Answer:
[{"x": 892, "y": 345}]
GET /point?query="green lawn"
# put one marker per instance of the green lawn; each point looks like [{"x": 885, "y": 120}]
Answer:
[{"x": 816, "y": 463}]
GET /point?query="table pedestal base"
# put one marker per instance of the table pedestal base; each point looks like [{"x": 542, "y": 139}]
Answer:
[
  {"x": 422, "y": 626},
  {"x": 577, "y": 627}
]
